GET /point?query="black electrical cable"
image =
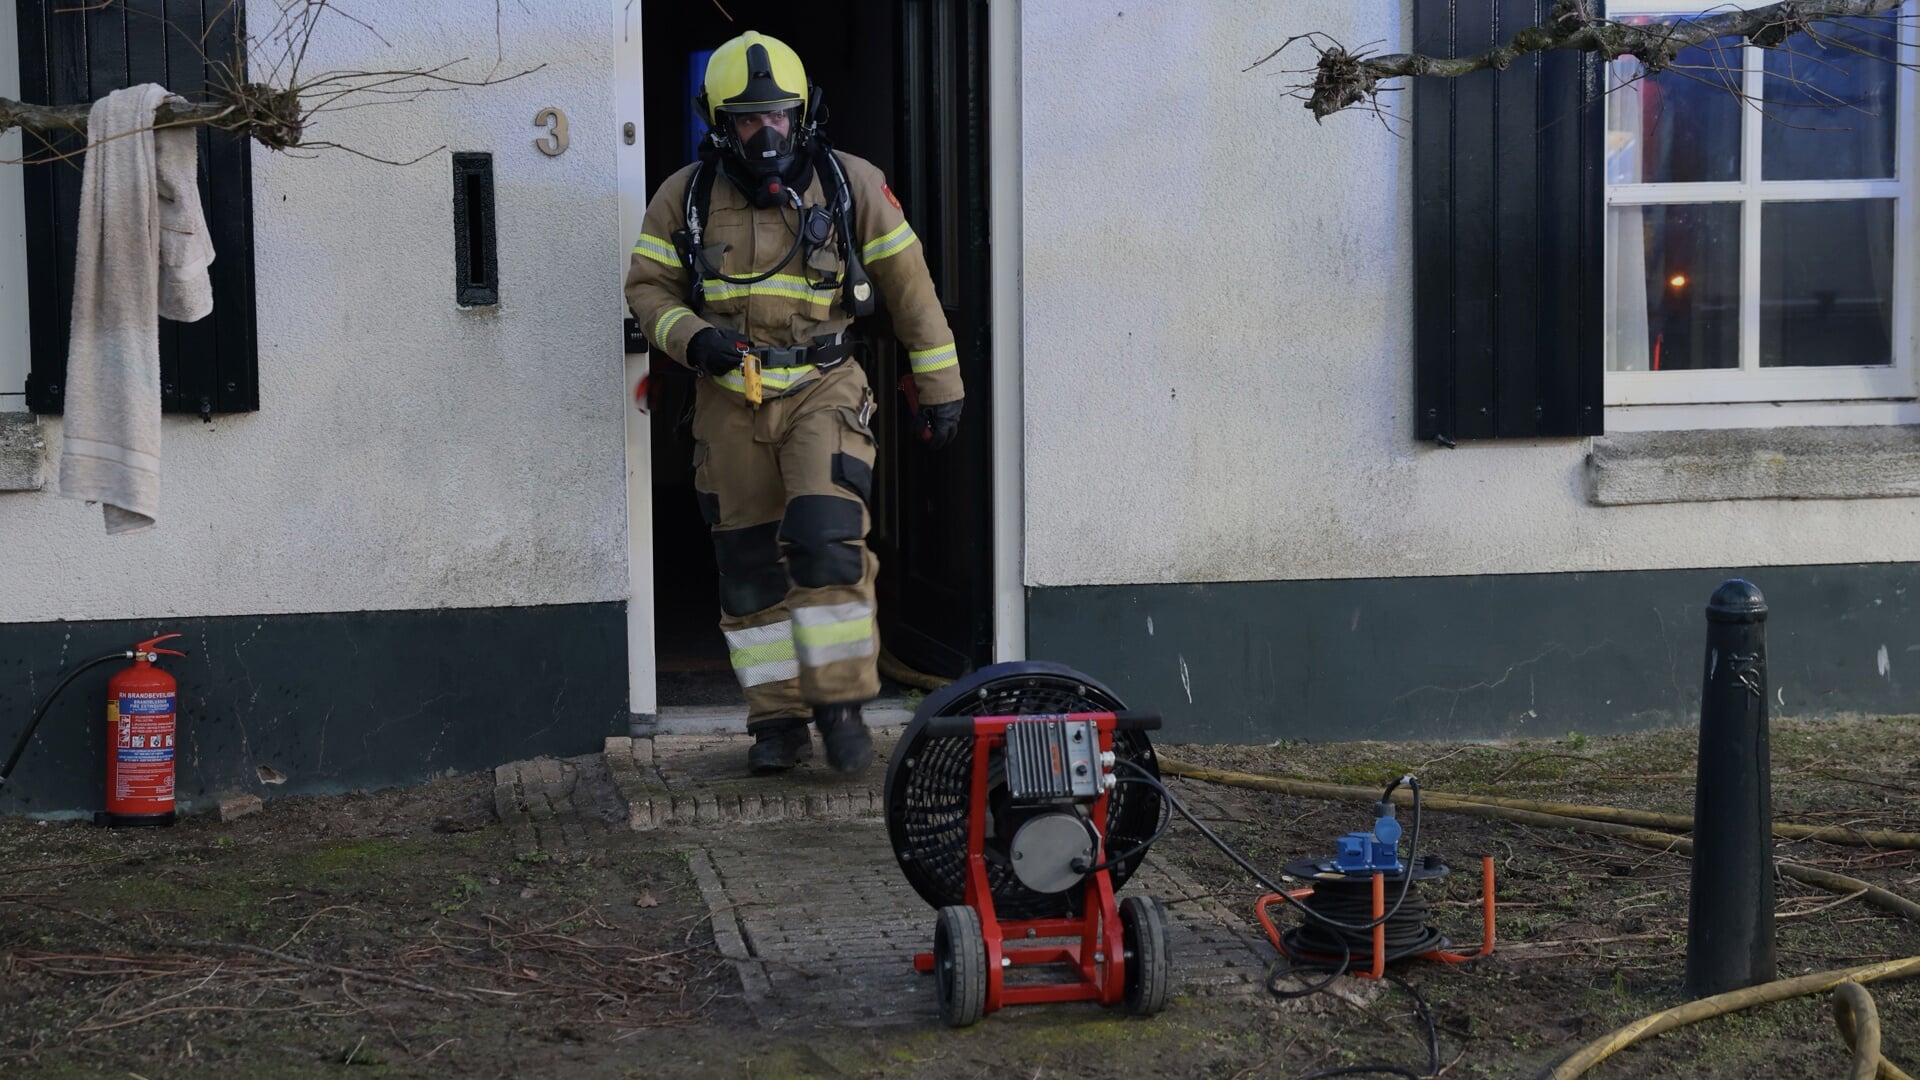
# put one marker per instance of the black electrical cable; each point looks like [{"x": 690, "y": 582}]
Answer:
[
  {"x": 1166, "y": 819},
  {"x": 1413, "y": 843},
  {"x": 1433, "y": 1046},
  {"x": 1403, "y": 931},
  {"x": 1335, "y": 902},
  {"x": 1283, "y": 968},
  {"x": 1332, "y": 919},
  {"x": 27, "y": 737}
]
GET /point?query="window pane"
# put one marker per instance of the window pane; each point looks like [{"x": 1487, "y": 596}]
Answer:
[
  {"x": 1677, "y": 287},
  {"x": 1831, "y": 102},
  {"x": 1826, "y": 283},
  {"x": 1680, "y": 126}
]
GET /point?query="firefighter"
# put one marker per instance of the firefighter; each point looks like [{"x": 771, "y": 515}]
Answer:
[{"x": 751, "y": 265}]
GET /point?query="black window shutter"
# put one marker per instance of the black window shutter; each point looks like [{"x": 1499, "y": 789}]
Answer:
[
  {"x": 1508, "y": 219},
  {"x": 72, "y": 54}
]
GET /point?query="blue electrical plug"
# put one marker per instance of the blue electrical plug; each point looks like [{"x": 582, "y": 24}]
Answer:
[{"x": 1379, "y": 850}]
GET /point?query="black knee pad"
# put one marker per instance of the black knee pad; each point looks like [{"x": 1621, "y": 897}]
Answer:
[
  {"x": 709, "y": 506},
  {"x": 854, "y": 475},
  {"x": 821, "y": 537},
  {"x": 750, "y": 575}
]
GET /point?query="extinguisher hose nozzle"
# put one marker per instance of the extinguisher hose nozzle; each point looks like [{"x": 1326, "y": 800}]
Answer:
[{"x": 47, "y": 702}]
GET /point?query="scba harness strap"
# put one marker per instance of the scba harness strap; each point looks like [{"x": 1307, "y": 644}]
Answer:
[
  {"x": 825, "y": 352},
  {"x": 856, "y": 288}
]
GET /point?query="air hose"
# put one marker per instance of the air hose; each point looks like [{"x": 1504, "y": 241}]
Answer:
[{"x": 46, "y": 702}]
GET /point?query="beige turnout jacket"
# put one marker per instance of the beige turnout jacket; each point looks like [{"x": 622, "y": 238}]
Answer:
[{"x": 789, "y": 308}]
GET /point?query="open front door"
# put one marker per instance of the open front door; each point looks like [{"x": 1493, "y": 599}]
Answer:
[
  {"x": 630, "y": 157},
  {"x": 933, "y": 526}
]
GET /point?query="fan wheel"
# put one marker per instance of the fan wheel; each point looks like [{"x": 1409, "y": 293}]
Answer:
[
  {"x": 1143, "y": 938},
  {"x": 959, "y": 966},
  {"x": 928, "y": 789}
]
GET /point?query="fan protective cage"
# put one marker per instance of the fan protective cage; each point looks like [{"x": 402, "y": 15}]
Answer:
[{"x": 928, "y": 788}]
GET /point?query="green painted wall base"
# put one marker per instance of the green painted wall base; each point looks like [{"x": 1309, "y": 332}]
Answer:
[
  {"x": 1476, "y": 657},
  {"x": 333, "y": 702}
]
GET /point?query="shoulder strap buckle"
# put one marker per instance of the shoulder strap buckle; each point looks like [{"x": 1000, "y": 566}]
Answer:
[{"x": 856, "y": 295}]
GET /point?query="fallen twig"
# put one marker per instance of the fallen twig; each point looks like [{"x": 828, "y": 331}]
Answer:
[
  {"x": 260, "y": 950},
  {"x": 1855, "y": 895}
]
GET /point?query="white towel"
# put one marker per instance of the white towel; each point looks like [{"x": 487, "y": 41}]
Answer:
[{"x": 142, "y": 254}]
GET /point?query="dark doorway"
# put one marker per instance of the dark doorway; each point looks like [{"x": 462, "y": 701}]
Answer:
[{"x": 905, "y": 88}]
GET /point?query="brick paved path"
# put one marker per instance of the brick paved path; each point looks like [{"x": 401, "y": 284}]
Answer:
[
  {"x": 556, "y": 804},
  {"x": 799, "y": 878},
  {"x": 825, "y": 927}
]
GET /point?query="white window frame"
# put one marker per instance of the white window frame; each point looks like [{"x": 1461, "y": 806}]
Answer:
[{"x": 1749, "y": 382}]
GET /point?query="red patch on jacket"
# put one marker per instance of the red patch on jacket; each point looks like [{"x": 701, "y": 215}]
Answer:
[{"x": 888, "y": 192}]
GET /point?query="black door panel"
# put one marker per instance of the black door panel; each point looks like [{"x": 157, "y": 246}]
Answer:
[{"x": 933, "y": 515}]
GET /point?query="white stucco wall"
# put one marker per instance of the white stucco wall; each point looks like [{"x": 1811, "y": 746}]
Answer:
[
  {"x": 407, "y": 454},
  {"x": 1218, "y": 300}
]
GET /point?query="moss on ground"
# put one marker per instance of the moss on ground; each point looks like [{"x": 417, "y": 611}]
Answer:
[{"x": 421, "y": 885}]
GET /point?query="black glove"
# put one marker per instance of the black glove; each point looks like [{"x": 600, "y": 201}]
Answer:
[
  {"x": 936, "y": 425},
  {"x": 715, "y": 351}
]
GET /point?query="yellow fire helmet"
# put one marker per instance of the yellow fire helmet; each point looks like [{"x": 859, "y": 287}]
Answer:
[{"x": 753, "y": 73}]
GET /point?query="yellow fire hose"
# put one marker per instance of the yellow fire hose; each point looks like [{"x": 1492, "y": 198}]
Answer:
[
  {"x": 1454, "y": 804},
  {"x": 892, "y": 668},
  {"x": 1677, "y": 822},
  {"x": 1851, "y": 1007},
  {"x": 1735, "y": 1000}
]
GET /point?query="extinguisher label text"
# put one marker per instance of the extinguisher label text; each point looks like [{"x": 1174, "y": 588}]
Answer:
[{"x": 142, "y": 779}]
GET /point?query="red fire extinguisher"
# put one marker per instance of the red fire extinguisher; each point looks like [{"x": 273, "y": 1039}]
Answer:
[{"x": 140, "y": 739}]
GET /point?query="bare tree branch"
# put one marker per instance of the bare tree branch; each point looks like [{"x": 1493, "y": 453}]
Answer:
[
  {"x": 274, "y": 113},
  {"x": 273, "y": 117},
  {"x": 55, "y": 119},
  {"x": 1343, "y": 79}
]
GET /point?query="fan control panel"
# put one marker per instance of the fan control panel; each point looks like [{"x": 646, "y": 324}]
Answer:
[{"x": 1055, "y": 759}]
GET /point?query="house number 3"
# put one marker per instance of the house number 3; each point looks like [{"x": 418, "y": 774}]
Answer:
[{"x": 555, "y": 142}]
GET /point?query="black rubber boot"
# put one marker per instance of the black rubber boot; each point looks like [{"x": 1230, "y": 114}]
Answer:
[
  {"x": 844, "y": 734},
  {"x": 778, "y": 745}
]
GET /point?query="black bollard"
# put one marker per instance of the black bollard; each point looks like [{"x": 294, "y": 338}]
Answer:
[{"x": 1730, "y": 913}]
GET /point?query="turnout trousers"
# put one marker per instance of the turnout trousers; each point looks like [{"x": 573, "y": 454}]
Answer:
[{"x": 785, "y": 488}]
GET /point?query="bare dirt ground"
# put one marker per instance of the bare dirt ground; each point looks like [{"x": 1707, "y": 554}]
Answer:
[
  {"x": 401, "y": 933},
  {"x": 1591, "y": 930}
]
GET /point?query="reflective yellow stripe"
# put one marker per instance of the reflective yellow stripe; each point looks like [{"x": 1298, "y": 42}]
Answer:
[
  {"x": 657, "y": 249},
  {"x": 754, "y": 655},
  {"x": 783, "y": 378},
  {"x": 891, "y": 244},
  {"x": 790, "y": 286},
  {"x": 925, "y": 360},
  {"x": 665, "y": 323},
  {"x": 763, "y": 654},
  {"x": 833, "y": 633}
]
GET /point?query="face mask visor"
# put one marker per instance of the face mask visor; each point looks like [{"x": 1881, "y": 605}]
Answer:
[{"x": 763, "y": 139}]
